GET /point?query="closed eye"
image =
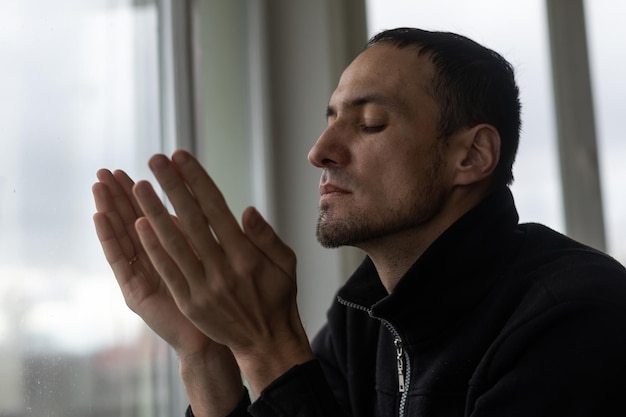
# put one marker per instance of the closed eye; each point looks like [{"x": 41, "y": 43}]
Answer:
[{"x": 373, "y": 129}]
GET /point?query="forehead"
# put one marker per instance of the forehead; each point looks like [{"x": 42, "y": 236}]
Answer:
[{"x": 386, "y": 75}]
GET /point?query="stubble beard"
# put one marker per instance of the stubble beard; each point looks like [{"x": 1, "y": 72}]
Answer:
[{"x": 359, "y": 227}]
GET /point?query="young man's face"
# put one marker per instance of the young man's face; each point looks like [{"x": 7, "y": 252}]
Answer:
[{"x": 383, "y": 165}]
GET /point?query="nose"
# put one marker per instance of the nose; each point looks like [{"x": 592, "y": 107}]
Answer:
[{"x": 329, "y": 150}]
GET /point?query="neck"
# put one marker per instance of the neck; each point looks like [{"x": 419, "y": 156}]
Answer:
[{"x": 394, "y": 254}]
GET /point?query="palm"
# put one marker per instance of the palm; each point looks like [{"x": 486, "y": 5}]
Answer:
[
  {"x": 144, "y": 291},
  {"x": 147, "y": 295}
]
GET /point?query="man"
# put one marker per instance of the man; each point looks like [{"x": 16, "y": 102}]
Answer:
[{"x": 457, "y": 310}]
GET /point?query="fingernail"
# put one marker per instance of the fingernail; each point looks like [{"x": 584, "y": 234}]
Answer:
[
  {"x": 255, "y": 219},
  {"x": 180, "y": 158},
  {"x": 158, "y": 162},
  {"x": 143, "y": 189}
]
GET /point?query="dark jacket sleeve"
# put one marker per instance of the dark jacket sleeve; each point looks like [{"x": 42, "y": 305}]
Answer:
[
  {"x": 240, "y": 411},
  {"x": 302, "y": 391},
  {"x": 315, "y": 388}
]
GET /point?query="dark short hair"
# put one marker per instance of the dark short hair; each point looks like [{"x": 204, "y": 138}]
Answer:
[{"x": 472, "y": 85}]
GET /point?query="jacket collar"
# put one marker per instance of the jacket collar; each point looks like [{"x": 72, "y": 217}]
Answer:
[{"x": 451, "y": 275}]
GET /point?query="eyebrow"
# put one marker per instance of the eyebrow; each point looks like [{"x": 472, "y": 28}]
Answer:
[{"x": 373, "y": 98}]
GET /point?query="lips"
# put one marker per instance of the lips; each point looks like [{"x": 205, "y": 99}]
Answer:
[
  {"x": 327, "y": 189},
  {"x": 330, "y": 192},
  {"x": 331, "y": 184}
]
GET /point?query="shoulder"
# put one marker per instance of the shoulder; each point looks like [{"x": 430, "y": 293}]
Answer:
[
  {"x": 557, "y": 284},
  {"x": 566, "y": 270},
  {"x": 565, "y": 309}
]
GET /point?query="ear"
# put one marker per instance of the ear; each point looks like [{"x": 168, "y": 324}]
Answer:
[{"x": 478, "y": 154}]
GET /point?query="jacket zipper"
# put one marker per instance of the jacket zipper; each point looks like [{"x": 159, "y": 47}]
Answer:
[
  {"x": 400, "y": 364},
  {"x": 403, "y": 367},
  {"x": 403, "y": 364}
]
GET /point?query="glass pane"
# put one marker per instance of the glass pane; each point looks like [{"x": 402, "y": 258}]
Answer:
[
  {"x": 79, "y": 91},
  {"x": 518, "y": 32},
  {"x": 606, "y": 33}
]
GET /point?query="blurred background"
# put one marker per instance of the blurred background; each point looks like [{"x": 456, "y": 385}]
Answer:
[{"x": 244, "y": 84}]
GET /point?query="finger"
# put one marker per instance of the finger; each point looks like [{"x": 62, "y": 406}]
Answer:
[
  {"x": 160, "y": 258},
  {"x": 169, "y": 235},
  {"x": 114, "y": 253},
  {"x": 126, "y": 184},
  {"x": 192, "y": 218},
  {"x": 122, "y": 229},
  {"x": 182, "y": 231},
  {"x": 263, "y": 236},
  {"x": 211, "y": 201},
  {"x": 119, "y": 200}
]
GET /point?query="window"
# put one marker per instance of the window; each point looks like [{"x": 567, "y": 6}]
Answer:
[
  {"x": 80, "y": 91},
  {"x": 605, "y": 34}
]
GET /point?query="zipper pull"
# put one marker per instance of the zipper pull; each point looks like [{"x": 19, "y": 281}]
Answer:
[{"x": 400, "y": 364}]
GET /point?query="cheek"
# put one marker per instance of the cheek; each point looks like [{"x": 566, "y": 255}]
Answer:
[
  {"x": 395, "y": 170},
  {"x": 395, "y": 182},
  {"x": 402, "y": 167}
]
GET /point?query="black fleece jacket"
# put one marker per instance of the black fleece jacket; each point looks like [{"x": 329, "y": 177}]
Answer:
[{"x": 494, "y": 319}]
